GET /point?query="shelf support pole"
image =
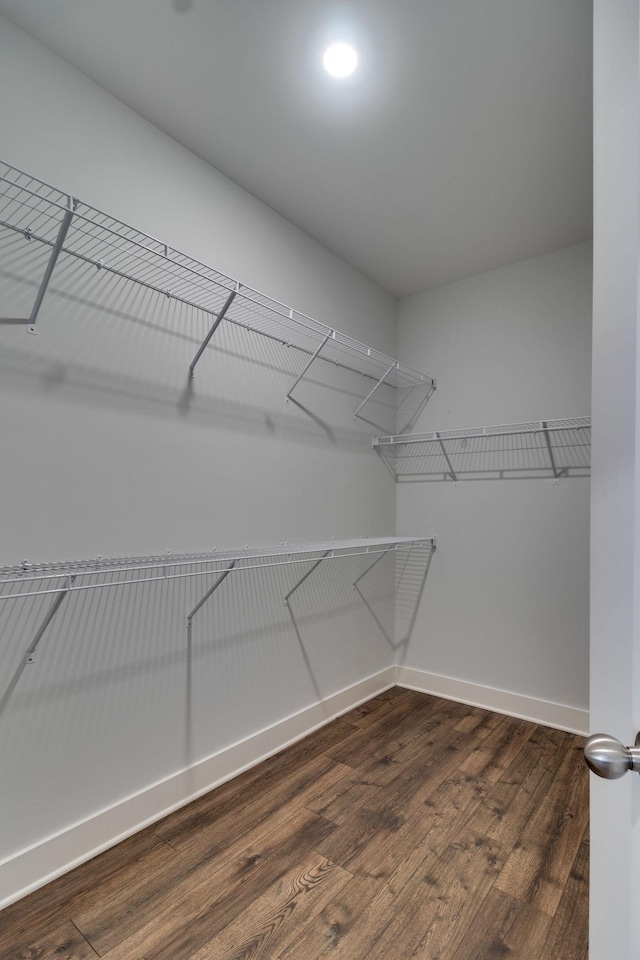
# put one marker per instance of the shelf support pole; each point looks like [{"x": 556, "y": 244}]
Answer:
[
  {"x": 371, "y": 566},
  {"x": 53, "y": 609},
  {"x": 371, "y": 392},
  {"x": 314, "y": 357},
  {"x": 543, "y": 424},
  {"x": 446, "y": 456},
  {"x": 216, "y": 324},
  {"x": 307, "y": 574},
  {"x": 55, "y": 253},
  {"x": 209, "y": 592}
]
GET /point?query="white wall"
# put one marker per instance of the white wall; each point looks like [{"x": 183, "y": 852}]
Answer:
[
  {"x": 506, "y": 602},
  {"x": 104, "y": 453}
]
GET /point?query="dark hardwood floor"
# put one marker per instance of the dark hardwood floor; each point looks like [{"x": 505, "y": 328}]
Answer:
[{"x": 412, "y": 827}]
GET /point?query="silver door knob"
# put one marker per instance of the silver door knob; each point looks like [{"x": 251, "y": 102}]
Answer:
[{"x": 609, "y": 758}]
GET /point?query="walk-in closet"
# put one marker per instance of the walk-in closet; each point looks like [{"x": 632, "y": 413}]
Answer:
[{"x": 312, "y": 417}]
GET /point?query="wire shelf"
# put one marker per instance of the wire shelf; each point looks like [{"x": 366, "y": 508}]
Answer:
[
  {"x": 38, "y": 579},
  {"x": 47, "y": 215},
  {"x": 556, "y": 448}
]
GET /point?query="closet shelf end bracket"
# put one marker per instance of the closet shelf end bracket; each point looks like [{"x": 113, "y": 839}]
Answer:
[{"x": 72, "y": 205}]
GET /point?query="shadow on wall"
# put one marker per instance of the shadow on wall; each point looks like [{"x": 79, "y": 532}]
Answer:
[
  {"x": 411, "y": 571},
  {"x": 64, "y": 643},
  {"x": 121, "y": 694},
  {"x": 111, "y": 340}
]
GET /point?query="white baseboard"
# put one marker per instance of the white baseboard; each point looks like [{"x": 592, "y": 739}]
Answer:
[
  {"x": 557, "y": 715},
  {"x": 37, "y": 865}
]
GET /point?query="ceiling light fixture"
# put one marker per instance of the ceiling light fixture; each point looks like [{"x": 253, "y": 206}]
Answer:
[{"x": 340, "y": 60}]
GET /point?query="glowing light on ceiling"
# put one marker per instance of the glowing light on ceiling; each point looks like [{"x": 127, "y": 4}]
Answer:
[{"x": 340, "y": 60}]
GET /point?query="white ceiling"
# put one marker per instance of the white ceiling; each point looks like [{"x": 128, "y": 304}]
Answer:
[{"x": 462, "y": 143}]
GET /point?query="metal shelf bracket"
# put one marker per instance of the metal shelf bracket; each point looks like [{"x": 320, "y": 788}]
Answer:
[
  {"x": 545, "y": 429},
  {"x": 55, "y": 253},
  {"x": 216, "y": 324},
  {"x": 331, "y": 334},
  {"x": 209, "y": 592},
  {"x": 53, "y": 609},
  {"x": 371, "y": 392},
  {"x": 307, "y": 574},
  {"x": 446, "y": 456},
  {"x": 371, "y": 566}
]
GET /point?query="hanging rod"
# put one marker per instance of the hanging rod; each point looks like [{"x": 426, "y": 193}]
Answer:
[
  {"x": 35, "y": 209},
  {"x": 405, "y": 453},
  {"x": 103, "y": 573}
]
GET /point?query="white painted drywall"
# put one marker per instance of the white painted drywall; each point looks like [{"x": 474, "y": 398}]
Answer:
[
  {"x": 506, "y": 602},
  {"x": 104, "y": 453}
]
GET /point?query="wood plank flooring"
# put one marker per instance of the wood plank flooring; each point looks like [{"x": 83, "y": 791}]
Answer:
[{"x": 412, "y": 828}]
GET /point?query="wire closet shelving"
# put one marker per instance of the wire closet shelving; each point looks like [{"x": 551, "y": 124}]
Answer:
[
  {"x": 72, "y": 228},
  {"x": 543, "y": 448},
  {"x": 60, "y": 579}
]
